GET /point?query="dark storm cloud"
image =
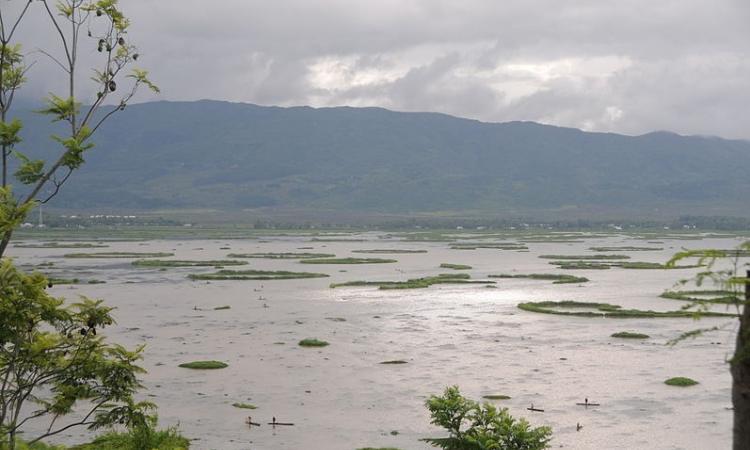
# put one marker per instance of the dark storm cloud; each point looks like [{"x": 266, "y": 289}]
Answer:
[{"x": 630, "y": 66}]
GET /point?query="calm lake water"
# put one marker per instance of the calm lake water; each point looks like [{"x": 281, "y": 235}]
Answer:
[{"x": 341, "y": 398}]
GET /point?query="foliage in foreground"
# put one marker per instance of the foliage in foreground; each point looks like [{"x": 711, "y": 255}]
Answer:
[
  {"x": 140, "y": 438},
  {"x": 53, "y": 362},
  {"x": 474, "y": 426}
]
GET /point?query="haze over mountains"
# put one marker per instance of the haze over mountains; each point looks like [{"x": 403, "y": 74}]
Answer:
[{"x": 210, "y": 154}]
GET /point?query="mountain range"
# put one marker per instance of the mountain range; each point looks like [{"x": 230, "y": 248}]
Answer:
[{"x": 220, "y": 155}]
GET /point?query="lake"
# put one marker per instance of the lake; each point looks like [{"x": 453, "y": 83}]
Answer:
[{"x": 341, "y": 398}]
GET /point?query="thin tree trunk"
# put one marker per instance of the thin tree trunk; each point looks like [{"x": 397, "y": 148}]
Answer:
[{"x": 741, "y": 377}]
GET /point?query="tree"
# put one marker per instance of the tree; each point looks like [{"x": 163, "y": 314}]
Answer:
[
  {"x": 488, "y": 428},
  {"x": 53, "y": 359},
  {"x": 106, "y": 28},
  {"x": 725, "y": 269},
  {"x": 51, "y": 356}
]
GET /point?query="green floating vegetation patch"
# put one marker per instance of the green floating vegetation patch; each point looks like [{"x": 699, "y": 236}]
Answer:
[
  {"x": 703, "y": 296},
  {"x": 455, "y": 266},
  {"x": 337, "y": 240},
  {"x": 416, "y": 283},
  {"x": 680, "y": 381},
  {"x": 581, "y": 265},
  {"x": 630, "y": 335},
  {"x": 186, "y": 263},
  {"x": 626, "y": 249},
  {"x": 653, "y": 265},
  {"x": 62, "y": 245},
  {"x": 244, "y": 405},
  {"x": 255, "y": 275},
  {"x": 222, "y": 308},
  {"x": 378, "y": 448},
  {"x": 509, "y": 246},
  {"x": 604, "y": 265},
  {"x": 388, "y": 251},
  {"x": 606, "y": 310},
  {"x": 394, "y": 361},
  {"x": 312, "y": 342},
  {"x": 584, "y": 257},
  {"x": 496, "y": 397},
  {"x": 204, "y": 365},
  {"x": 555, "y": 278},
  {"x": 348, "y": 261},
  {"x": 281, "y": 255},
  {"x": 118, "y": 255},
  {"x": 55, "y": 281}
]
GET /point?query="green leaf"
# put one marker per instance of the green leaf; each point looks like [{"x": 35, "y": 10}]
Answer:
[{"x": 9, "y": 133}]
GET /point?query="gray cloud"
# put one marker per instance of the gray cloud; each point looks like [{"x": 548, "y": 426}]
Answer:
[{"x": 631, "y": 66}]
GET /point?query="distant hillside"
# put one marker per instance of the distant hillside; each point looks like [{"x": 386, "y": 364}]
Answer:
[{"x": 211, "y": 154}]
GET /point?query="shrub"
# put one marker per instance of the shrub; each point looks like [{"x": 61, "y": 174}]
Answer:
[{"x": 488, "y": 427}]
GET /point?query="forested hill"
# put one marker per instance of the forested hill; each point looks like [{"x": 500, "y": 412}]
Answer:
[{"x": 210, "y": 154}]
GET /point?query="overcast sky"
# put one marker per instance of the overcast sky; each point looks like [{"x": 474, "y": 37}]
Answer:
[{"x": 628, "y": 66}]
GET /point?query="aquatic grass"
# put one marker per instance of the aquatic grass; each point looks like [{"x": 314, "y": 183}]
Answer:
[
  {"x": 255, "y": 275},
  {"x": 387, "y": 251},
  {"x": 118, "y": 255},
  {"x": 244, "y": 405},
  {"x": 630, "y": 335},
  {"x": 222, "y": 308},
  {"x": 416, "y": 283},
  {"x": 204, "y": 365},
  {"x": 455, "y": 266},
  {"x": 394, "y": 361},
  {"x": 653, "y": 265},
  {"x": 680, "y": 382},
  {"x": 312, "y": 342},
  {"x": 581, "y": 265},
  {"x": 503, "y": 246},
  {"x": 625, "y": 249},
  {"x": 186, "y": 263},
  {"x": 703, "y": 296},
  {"x": 348, "y": 261},
  {"x": 62, "y": 245},
  {"x": 584, "y": 257},
  {"x": 286, "y": 255},
  {"x": 496, "y": 397},
  {"x": 607, "y": 310},
  {"x": 555, "y": 278}
]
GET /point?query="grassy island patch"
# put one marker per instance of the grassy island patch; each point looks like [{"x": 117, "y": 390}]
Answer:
[
  {"x": 204, "y": 365},
  {"x": 62, "y": 245},
  {"x": 652, "y": 265},
  {"x": 555, "y": 278},
  {"x": 394, "y": 361},
  {"x": 625, "y": 249},
  {"x": 416, "y": 283},
  {"x": 281, "y": 255},
  {"x": 584, "y": 257},
  {"x": 455, "y": 266},
  {"x": 254, "y": 275},
  {"x": 680, "y": 381},
  {"x": 496, "y": 397},
  {"x": 703, "y": 296},
  {"x": 501, "y": 246},
  {"x": 118, "y": 255},
  {"x": 244, "y": 406},
  {"x": 389, "y": 251},
  {"x": 581, "y": 265},
  {"x": 348, "y": 261},
  {"x": 630, "y": 335},
  {"x": 312, "y": 342},
  {"x": 54, "y": 281},
  {"x": 606, "y": 310},
  {"x": 186, "y": 263}
]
